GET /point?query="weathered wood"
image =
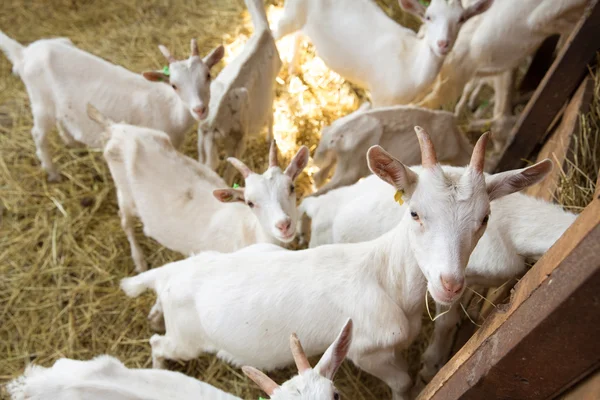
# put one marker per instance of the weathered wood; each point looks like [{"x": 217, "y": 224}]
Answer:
[
  {"x": 546, "y": 338},
  {"x": 558, "y": 146},
  {"x": 542, "y": 60},
  {"x": 557, "y": 86},
  {"x": 587, "y": 389}
]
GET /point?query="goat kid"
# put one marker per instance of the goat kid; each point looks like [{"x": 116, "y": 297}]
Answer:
[
  {"x": 107, "y": 377},
  {"x": 61, "y": 79},
  {"x": 180, "y": 200},
  {"x": 347, "y": 140},
  {"x": 242, "y": 95},
  {"x": 361, "y": 43},
  {"x": 390, "y": 274}
]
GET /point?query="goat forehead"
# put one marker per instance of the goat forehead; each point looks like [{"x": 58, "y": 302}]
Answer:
[
  {"x": 310, "y": 385},
  {"x": 189, "y": 67},
  {"x": 446, "y": 7},
  {"x": 268, "y": 185},
  {"x": 451, "y": 193}
]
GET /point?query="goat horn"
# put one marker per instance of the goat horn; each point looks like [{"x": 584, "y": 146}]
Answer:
[
  {"x": 194, "y": 46},
  {"x": 262, "y": 380},
  {"x": 478, "y": 156},
  {"x": 428, "y": 156},
  {"x": 298, "y": 352},
  {"x": 273, "y": 162},
  {"x": 240, "y": 166},
  {"x": 165, "y": 52}
]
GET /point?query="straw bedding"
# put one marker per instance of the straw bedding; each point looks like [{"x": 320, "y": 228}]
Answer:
[{"x": 62, "y": 250}]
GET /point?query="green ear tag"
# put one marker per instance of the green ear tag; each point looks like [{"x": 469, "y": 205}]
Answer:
[
  {"x": 398, "y": 197},
  {"x": 166, "y": 71},
  {"x": 261, "y": 398},
  {"x": 235, "y": 186},
  {"x": 424, "y": 3}
]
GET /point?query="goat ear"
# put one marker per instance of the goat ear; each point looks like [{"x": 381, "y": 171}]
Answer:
[
  {"x": 155, "y": 76},
  {"x": 298, "y": 163},
  {"x": 413, "y": 7},
  {"x": 214, "y": 57},
  {"x": 504, "y": 183},
  {"x": 390, "y": 170},
  {"x": 476, "y": 9},
  {"x": 229, "y": 195},
  {"x": 336, "y": 353}
]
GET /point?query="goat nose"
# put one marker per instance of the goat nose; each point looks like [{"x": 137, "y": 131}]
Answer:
[
  {"x": 443, "y": 44},
  {"x": 284, "y": 225},
  {"x": 200, "y": 110},
  {"x": 452, "y": 285}
]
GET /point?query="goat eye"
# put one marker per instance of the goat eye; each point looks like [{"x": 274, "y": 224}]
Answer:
[
  {"x": 336, "y": 396},
  {"x": 292, "y": 188},
  {"x": 427, "y": 18},
  {"x": 208, "y": 76},
  {"x": 250, "y": 204},
  {"x": 485, "y": 220},
  {"x": 174, "y": 87},
  {"x": 414, "y": 215}
]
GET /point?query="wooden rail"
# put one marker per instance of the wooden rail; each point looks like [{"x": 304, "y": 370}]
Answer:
[
  {"x": 556, "y": 88},
  {"x": 546, "y": 339}
]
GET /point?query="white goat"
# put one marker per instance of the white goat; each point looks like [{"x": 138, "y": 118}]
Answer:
[
  {"x": 180, "y": 200},
  {"x": 61, "y": 79},
  {"x": 238, "y": 305},
  {"x": 362, "y": 44},
  {"x": 520, "y": 227},
  {"x": 106, "y": 377},
  {"x": 348, "y": 138},
  {"x": 242, "y": 95},
  {"x": 495, "y": 43}
]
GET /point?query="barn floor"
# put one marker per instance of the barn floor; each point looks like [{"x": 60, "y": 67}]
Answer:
[{"x": 62, "y": 250}]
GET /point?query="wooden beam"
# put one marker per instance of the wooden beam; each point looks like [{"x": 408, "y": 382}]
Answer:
[
  {"x": 587, "y": 389},
  {"x": 542, "y": 60},
  {"x": 559, "y": 144},
  {"x": 557, "y": 86},
  {"x": 546, "y": 338},
  {"x": 557, "y": 148}
]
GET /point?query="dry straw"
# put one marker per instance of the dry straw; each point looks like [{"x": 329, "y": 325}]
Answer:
[{"x": 62, "y": 250}]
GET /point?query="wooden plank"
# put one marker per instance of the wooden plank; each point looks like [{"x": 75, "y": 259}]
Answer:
[
  {"x": 558, "y": 146},
  {"x": 542, "y": 60},
  {"x": 546, "y": 338},
  {"x": 587, "y": 389},
  {"x": 557, "y": 86}
]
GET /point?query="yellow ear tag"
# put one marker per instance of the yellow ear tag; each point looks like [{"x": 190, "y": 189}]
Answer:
[{"x": 398, "y": 196}]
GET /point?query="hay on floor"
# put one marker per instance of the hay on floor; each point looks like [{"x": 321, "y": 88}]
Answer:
[{"x": 62, "y": 250}]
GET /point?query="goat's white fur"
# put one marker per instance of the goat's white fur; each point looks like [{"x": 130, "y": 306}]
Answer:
[
  {"x": 180, "y": 201},
  {"x": 520, "y": 227},
  {"x": 105, "y": 377},
  {"x": 361, "y": 43},
  {"x": 61, "y": 79},
  {"x": 346, "y": 141},
  {"x": 242, "y": 95},
  {"x": 265, "y": 294}
]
